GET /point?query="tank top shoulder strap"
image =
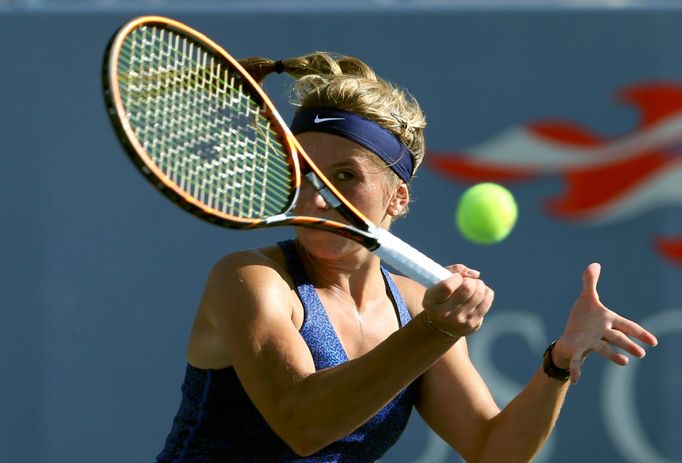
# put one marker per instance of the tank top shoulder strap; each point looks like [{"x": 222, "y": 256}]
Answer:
[
  {"x": 404, "y": 315},
  {"x": 317, "y": 330},
  {"x": 293, "y": 262}
]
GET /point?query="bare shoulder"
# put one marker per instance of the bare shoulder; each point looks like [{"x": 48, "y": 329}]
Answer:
[
  {"x": 250, "y": 280},
  {"x": 248, "y": 267},
  {"x": 269, "y": 257},
  {"x": 245, "y": 291}
]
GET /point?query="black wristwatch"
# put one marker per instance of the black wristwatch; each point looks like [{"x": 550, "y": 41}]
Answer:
[{"x": 551, "y": 369}]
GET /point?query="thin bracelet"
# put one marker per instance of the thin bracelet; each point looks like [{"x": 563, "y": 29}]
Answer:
[{"x": 430, "y": 324}]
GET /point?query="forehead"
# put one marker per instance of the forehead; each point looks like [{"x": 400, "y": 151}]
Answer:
[{"x": 324, "y": 148}]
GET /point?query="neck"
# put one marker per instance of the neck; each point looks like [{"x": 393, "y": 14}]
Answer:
[{"x": 355, "y": 276}]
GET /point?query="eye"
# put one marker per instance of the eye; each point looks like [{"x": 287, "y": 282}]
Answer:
[{"x": 344, "y": 175}]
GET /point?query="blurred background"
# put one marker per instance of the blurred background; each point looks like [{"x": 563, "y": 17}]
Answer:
[{"x": 576, "y": 106}]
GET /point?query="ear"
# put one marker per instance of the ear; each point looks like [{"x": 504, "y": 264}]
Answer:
[{"x": 399, "y": 200}]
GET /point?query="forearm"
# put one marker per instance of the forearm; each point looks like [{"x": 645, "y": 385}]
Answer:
[
  {"x": 519, "y": 431},
  {"x": 331, "y": 403}
]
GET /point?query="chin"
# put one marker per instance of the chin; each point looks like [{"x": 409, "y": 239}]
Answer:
[{"x": 325, "y": 244}]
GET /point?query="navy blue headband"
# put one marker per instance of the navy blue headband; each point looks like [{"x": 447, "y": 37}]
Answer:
[{"x": 367, "y": 133}]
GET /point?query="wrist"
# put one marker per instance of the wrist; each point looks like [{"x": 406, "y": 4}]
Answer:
[
  {"x": 560, "y": 360},
  {"x": 435, "y": 329},
  {"x": 550, "y": 368}
]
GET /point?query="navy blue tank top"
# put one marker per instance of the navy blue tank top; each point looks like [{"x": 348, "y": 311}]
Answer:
[{"x": 217, "y": 422}]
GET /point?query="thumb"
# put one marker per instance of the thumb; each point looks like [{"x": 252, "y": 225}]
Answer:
[
  {"x": 576, "y": 363},
  {"x": 590, "y": 279}
]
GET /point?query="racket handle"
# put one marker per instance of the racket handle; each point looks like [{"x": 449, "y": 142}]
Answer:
[{"x": 407, "y": 260}]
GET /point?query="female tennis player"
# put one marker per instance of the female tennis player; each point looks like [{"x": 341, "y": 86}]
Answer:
[{"x": 309, "y": 350}]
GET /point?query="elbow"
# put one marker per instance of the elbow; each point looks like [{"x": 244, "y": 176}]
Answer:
[
  {"x": 304, "y": 425},
  {"x": 300, "y": 433},
  {"x": 303, "y": 441},
  {"x": 306, "y": 449}
]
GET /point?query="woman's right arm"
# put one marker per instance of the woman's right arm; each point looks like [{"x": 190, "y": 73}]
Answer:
[{"x": 251, "y": 305}]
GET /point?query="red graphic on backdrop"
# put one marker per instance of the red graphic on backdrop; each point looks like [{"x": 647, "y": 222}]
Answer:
[{"x": 606, "y": 179}]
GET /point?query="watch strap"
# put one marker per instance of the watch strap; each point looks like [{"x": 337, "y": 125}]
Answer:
[{"x": 550, "y": 369}]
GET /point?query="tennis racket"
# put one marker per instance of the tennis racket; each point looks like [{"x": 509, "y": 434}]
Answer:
[{"x": 205, "y": 134}]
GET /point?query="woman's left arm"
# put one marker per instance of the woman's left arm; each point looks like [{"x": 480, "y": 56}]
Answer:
[{"x": 464, "y": 414}]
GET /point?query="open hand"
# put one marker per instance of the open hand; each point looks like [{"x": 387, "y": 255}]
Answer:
[{"x": 592, "y": 327}]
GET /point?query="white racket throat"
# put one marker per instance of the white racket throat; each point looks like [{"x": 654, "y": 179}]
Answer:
[{"x": 406, "y": 259}]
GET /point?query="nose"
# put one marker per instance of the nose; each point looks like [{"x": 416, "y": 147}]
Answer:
[
  {"x": 311, "y": 199},
  {"x": 319, "y": 202}
]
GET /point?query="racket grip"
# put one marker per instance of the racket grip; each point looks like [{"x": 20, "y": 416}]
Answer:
[{"x": 407, "y": 260}]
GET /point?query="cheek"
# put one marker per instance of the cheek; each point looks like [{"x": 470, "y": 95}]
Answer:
[
  {"x": 366, "y": 196},
  {"x": 372, "y": 199}
]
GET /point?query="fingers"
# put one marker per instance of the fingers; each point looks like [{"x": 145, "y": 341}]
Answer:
[
  {"x": 468, "y": 307},
  {"x": 464, "y": 270},
  {"x": 459, "y": 304},
  {"x": 441, "y": 292},
  {"x": 613, "y": 341},
  {"x": 620, "y": 336},
  {"x": 633, "y": 329},
  {"x": 604, "y": 349},
  {"x": 620, "y": 340},
  {"x": 601, "y": 347},
  {"x": 470, "y": 292}
]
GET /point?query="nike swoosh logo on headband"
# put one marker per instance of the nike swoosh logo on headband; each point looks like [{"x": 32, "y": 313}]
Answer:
[{"x": 319, "y": 119}]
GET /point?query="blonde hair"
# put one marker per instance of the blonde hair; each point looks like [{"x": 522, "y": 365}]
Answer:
[{"x": 343, "y": 82}]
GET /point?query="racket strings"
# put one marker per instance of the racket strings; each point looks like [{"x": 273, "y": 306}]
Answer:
[{"x": 201, "y": 127}]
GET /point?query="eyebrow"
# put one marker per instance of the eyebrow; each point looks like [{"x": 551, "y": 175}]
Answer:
[{"x": 355, "y": 160}]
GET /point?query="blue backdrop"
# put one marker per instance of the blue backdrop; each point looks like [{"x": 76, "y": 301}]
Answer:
[{"x": 572, "y": 109}]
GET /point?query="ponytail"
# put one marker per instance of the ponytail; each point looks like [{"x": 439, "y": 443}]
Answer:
[{"x": 347, "y": 83}]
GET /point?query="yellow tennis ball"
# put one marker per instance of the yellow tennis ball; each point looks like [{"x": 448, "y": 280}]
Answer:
[{"x": 486, "y": 213}]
